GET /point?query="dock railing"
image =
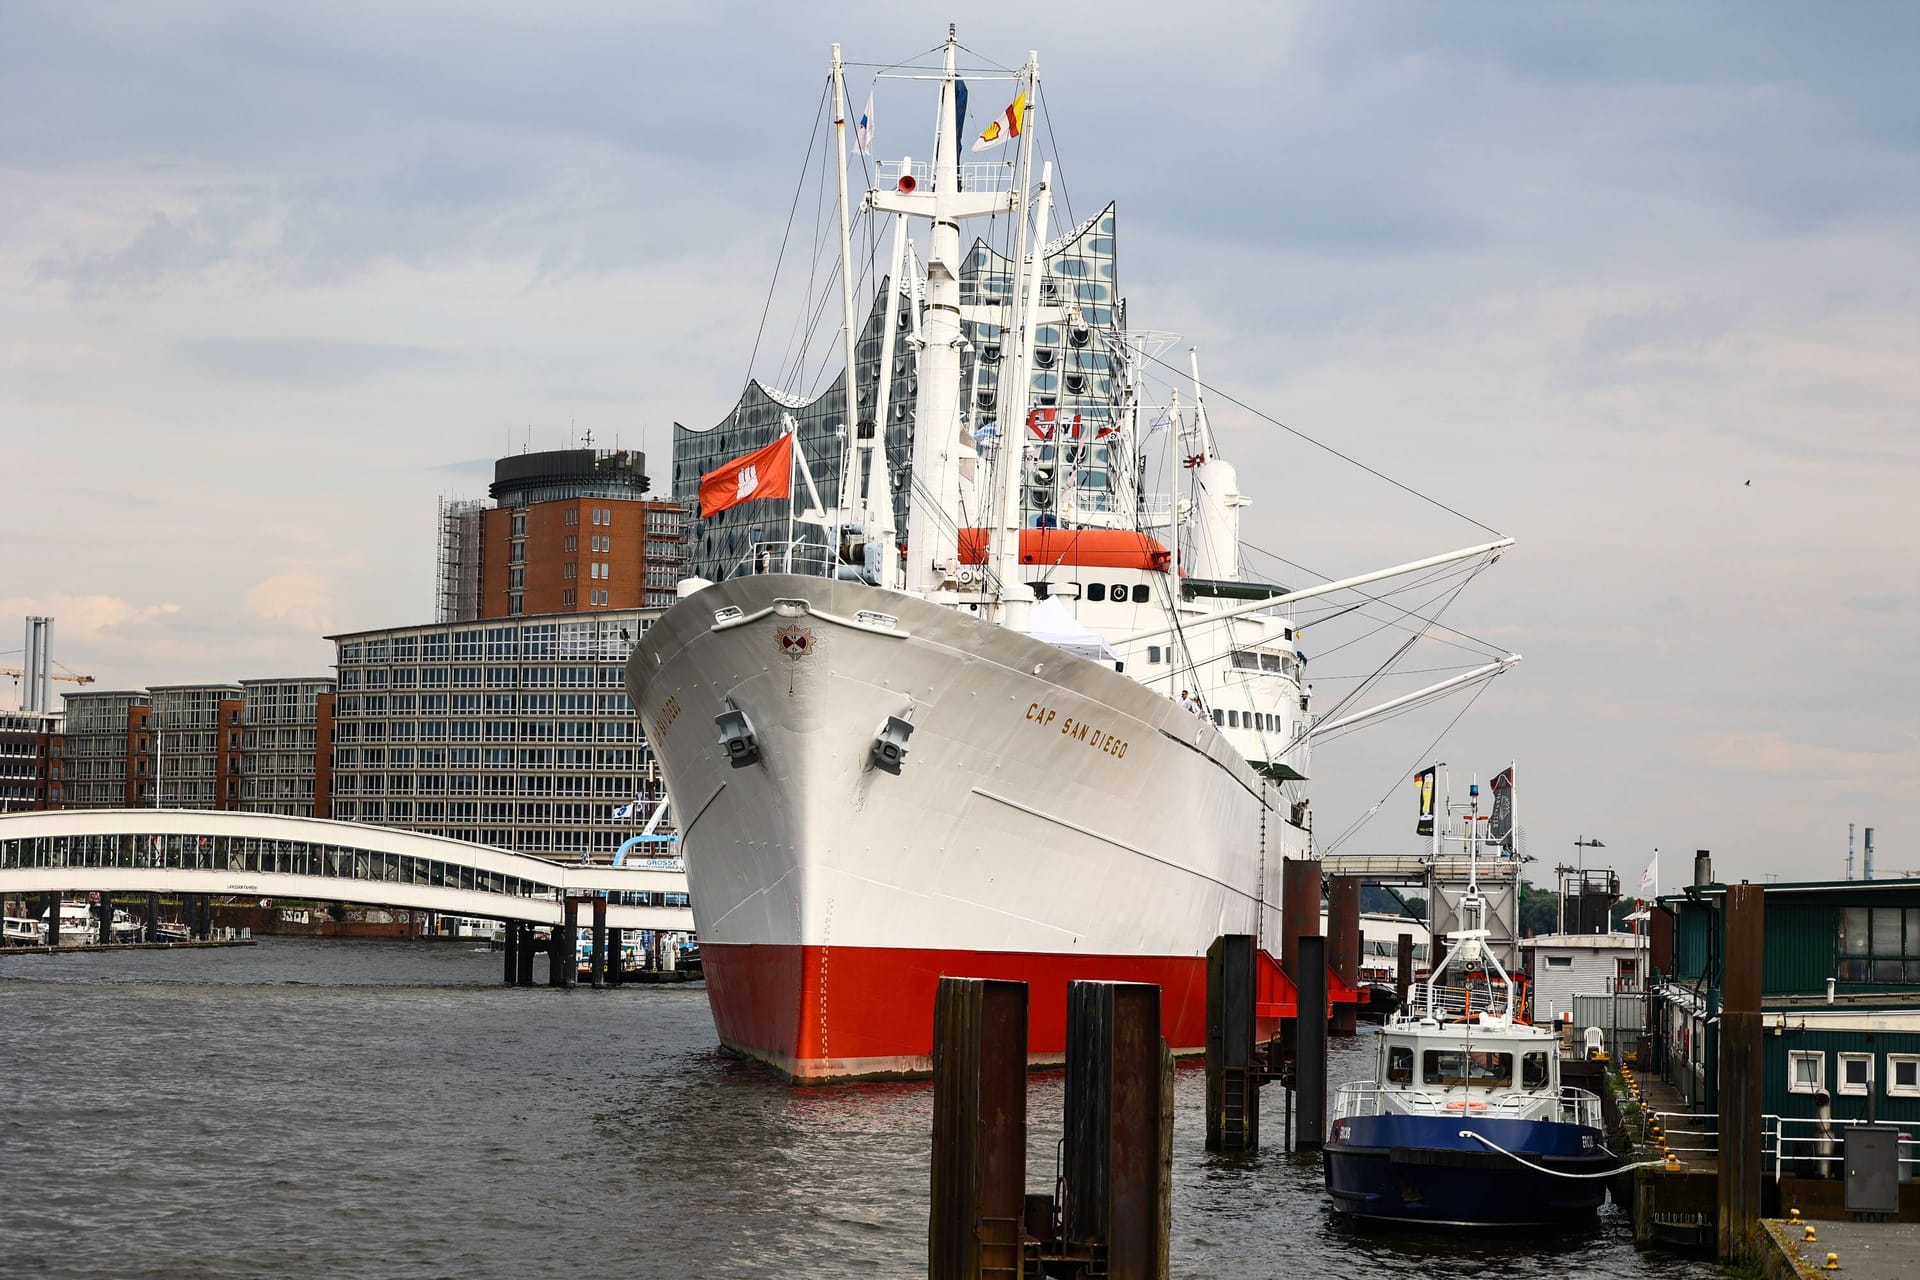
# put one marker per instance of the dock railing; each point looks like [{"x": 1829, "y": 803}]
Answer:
[
  {"x": 1798, "y": 1146},
  {"x": 1688, "y": 1133},
  {"x": 1812, "y": 1148}
]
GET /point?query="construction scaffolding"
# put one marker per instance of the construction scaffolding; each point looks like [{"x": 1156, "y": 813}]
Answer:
[{"x": 457, "y": 582}]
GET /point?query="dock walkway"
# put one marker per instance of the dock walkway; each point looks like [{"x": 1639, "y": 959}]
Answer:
[{"x": 1864, "y": 1250}]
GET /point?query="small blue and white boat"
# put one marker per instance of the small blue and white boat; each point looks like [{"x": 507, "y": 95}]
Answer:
[{"x": 1467, "y": 1123}]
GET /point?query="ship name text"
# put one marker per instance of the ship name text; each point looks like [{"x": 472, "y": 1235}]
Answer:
[{"x": 1079, "y": 730}]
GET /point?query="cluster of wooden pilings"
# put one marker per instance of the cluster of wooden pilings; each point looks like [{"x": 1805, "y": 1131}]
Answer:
[
  {"x": 606, "y": 965},
  {"x": 1110, "y": 1212}
]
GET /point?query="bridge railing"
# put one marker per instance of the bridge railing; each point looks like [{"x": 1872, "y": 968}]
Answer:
[{"x": 248, "y": 855}]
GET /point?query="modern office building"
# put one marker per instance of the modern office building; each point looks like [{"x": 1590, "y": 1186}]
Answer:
[
  {"x": 1076, "y": 374},
  {"x": 569, "y": 531},
  {"x": 109, "y": 749},
  {"x": 32, "y": 761},
  {"x": 197, "y": 743},
  {"x": 286, "y": 746},
  {"x": 513, "y": 732}
]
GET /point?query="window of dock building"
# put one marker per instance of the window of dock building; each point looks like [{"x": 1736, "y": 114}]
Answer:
[
  {"x": 1903, "y": 1075},
  {"x": 1856, "y": 1074},
  {"x": 1880, "y": 944},
  {"x": 1806, "y": 1071}
]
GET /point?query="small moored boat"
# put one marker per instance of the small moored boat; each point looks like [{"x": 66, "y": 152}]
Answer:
[{"x": 1467, "y": 1123}]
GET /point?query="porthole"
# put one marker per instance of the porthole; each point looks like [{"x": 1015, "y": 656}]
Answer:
[
  {"x": 1141, "y": 593},
  {"x": 1096, "y": 591}
]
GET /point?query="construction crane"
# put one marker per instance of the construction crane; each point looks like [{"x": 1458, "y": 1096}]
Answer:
[
  {"x": 71, "y": 676},
  {"x": 75, "y": 677}
]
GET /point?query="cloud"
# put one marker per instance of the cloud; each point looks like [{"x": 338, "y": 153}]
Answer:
[
  {"x": 310, "y": 362},
  {"x": 297, "y": 600}
]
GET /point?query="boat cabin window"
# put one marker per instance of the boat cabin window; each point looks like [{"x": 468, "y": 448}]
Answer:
[
  {"x": 1096, "y": 591},
  {"x": 1141, "y": 593},
  {"x": 1153, "y": 653},
  {"x": 1454, "y": 1067},
  {"x": 1219, "y": 717},
  {"x": 1533, "y": 1071},
  {"x": 1400, "y": 1065}
]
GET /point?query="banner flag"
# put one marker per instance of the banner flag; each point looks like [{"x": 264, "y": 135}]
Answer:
[
  {"x": 1500, "y": 823},
  {"x": 1425, "y": 781}
]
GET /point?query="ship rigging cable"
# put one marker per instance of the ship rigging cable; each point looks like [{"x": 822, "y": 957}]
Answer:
[
  {"x": 1372, "y": 810},
  {"x": 1327, "y": 448}
]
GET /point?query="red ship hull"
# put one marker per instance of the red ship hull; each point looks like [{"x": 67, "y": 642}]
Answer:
[{"x": 820, "y": 1014}]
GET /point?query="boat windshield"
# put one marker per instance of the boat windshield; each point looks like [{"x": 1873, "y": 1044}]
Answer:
[{"x": 1452, "y": 1068}]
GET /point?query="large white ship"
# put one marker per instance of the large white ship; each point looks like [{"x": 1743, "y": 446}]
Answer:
[{"x": 978, "y": 755}]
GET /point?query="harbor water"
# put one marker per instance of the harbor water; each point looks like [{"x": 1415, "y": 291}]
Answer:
[{"x": 360, "y": 1109}]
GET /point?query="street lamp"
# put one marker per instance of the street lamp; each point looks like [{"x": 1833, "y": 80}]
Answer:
[{"x": 1581, "y": 844}]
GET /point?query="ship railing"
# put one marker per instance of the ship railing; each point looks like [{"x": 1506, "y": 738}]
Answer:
[
  {"x": 799, "y": 556},
  {"x": 973, "y": 177},
  {"x": 1580, "y": 1106},
  {"x": 1808, "y": 1147}
]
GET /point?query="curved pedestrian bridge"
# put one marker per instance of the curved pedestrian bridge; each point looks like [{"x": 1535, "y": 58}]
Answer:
[{"x": 266, "y": 855}]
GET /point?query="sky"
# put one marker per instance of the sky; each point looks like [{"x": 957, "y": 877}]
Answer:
[{"x": 1632, "y": 283}]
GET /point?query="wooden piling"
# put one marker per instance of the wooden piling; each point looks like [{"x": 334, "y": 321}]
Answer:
[
  {"x": 1343, "y": 946},
  {"x": 600, "y": 942},
  {"x": 1742, "y": 1072},
  {"x": 616, "y": 956},
  {"x": 152, "y": 931},
  {"x": 1111, "y": 1165},
  {"x": 979, "y": 1129},
  {"x": 1233, "y": 1085},
  {"x": 53, "y": 919},
  {"x": 1310, "y": 1047},
  {"x": 511, "y": 946},
  {"x": 523, "y": 964}
]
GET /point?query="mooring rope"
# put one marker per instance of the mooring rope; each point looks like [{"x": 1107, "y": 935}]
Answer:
[{"x": 1558, "y": 1173}]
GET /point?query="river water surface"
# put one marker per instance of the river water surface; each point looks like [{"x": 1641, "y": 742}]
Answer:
[{"x": 371, "y": 1109}]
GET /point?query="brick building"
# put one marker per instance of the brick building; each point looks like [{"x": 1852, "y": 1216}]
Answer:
[
  {"x": 32, "y": 763},
  {"x": 569, "y": 531}
]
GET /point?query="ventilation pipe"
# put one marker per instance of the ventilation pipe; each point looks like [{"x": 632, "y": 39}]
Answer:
[{"x": 1702, "y": 868}]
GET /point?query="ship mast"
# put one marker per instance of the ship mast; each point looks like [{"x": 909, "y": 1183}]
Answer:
[
  {"x": 844, "y": 498},
  {"x": 933, "y": 523}
]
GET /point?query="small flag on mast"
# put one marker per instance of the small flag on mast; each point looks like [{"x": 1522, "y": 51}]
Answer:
[
  {"x": 1650, "y": 879},
  {"x": 764, "y": 473},
  {"x": 863, "y": 129},
  {"x": 1009, "y": 125}
]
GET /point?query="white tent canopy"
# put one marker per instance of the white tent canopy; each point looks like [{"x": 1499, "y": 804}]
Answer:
[{"x": 1050, "y": 622}]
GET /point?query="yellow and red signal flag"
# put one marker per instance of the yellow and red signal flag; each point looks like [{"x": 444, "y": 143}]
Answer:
[{"x": 1009, "y": 125}]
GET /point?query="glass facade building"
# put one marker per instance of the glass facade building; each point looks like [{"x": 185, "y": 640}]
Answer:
[
  {"x": 109, "y": 760},
  {"x": 510, "y": 732},
  {"x": 1074, "y": 374},
  {"x": 286, "y": 746}
]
